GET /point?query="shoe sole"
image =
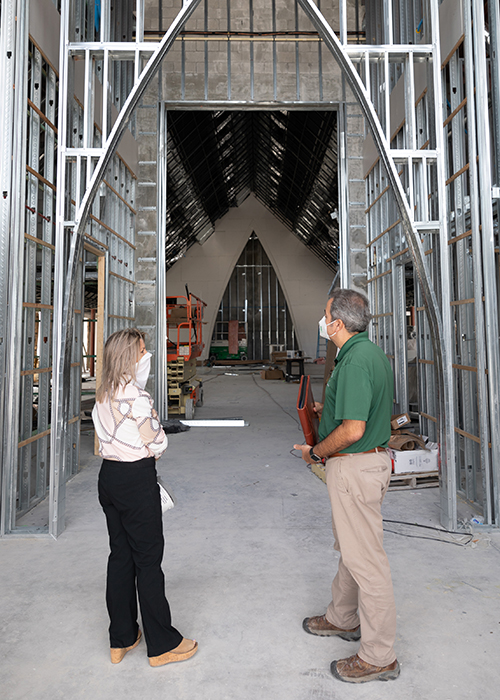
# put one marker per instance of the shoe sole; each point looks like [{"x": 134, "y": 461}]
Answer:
[
  {"x": 169, "y": 657},
  {"x": 382, "y": 676},
  {"x": 119, "y": 654},
  {"x": 348, "y": 636}
]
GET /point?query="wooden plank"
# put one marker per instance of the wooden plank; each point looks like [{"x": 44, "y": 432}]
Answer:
[
  {"x": 459, "y": 238},
  {"x": 120, "y": 197},
  {"x": 455, "y": 48},
  {"x": 414, "y": 480},
  {"x": 42, "y": 116},
  {"x": 33, "y": 438},
  {"x": 37, "y": 370},
  {"x": 426, "y": 415},
  {"x": 457, "y": 174},
  {"x": 386, "y": 189},
  {"x": 319, "y": 470},
  {"x": 120, "y": 277},
  {"x": 382, "y": 274},
  {"x": 96, "y": 251},
  {"x": 39, "y": 241},
  {"x": 383, "y": 233},
  {"x": 41, "y": 178},
  {"x": 115, "y": 233},
  {"x": 455, "y": 112}
]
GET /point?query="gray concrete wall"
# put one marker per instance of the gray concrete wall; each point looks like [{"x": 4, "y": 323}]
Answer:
[
  {"x": 352, "y": 180},
  {"x": 206, "y": 269},
  {"x": 240, "y": 54},
  {"x": 146, "y": 220}
]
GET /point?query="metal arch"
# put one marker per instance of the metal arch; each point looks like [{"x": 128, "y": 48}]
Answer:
[
  {"x": 64, "y": 318},
  {"x": 64, "y": 315},
  {"x": 440, "y": 340}
]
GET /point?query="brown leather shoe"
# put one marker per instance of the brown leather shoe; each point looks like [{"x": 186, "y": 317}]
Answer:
[
  {"x": 320, "y": 626},
  {"x": 117, "y": 654},
  {"x": 355, "y": 670}
]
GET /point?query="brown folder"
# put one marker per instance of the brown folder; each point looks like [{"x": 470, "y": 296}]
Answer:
[{"x": 307, "y": 415}]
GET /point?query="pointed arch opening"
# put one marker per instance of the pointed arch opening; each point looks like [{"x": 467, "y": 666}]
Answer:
[{"x": 255, "y": 301}]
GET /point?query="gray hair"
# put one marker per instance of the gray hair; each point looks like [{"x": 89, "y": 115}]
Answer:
[{"x": 350, "y": 307}]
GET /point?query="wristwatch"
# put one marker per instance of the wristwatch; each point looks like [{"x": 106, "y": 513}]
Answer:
[{"x": 314, "y": 457}]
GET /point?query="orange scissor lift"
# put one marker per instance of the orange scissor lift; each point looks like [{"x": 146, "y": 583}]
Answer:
[{"x": 184, "y": 346}]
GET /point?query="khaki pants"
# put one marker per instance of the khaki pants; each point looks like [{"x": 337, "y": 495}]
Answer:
[{"x": 362, "y": 589}]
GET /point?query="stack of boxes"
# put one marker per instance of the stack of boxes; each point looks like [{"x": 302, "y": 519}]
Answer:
[{"x": 410, "y": 453}]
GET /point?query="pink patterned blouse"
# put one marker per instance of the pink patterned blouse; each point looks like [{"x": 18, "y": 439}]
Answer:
[{"x": 128, "y": 427}]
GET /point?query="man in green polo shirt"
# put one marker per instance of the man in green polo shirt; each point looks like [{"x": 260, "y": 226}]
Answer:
[{"x": 354, "y": 432}]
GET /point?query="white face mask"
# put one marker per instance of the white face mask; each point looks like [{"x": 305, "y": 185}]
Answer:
[
  {"x": 142, "y": 370},
  {"x": 323, "y": 328}
]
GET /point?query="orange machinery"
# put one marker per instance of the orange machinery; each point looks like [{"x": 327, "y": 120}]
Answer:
[{"x": 184, "y": 346}]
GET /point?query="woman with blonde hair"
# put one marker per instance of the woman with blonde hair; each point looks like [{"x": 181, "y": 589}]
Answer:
[{"x": 130, "y": 440}]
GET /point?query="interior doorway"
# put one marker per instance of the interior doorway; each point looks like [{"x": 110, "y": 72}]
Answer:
[
  {"x": 94, "y": 265},
  {"x": 254, "y": 298}
]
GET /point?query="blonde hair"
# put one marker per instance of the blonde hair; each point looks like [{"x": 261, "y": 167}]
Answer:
[{"x": 118, "y": 361}]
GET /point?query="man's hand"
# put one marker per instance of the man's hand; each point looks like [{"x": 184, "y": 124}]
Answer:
[
  {"x": 305, "y": 449},
  {"x": 318, "y": 408},
  {"x": 344, "y": 435}
]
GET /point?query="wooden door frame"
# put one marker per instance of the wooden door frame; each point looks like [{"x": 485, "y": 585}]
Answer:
[{"x": 99, "y": 331}]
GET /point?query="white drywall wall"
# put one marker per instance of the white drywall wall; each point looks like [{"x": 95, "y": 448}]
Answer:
[{"x": 206, "y": 269}]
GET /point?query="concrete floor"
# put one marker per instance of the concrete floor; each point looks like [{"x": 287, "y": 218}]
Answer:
[{"x": 248, "y": 555}]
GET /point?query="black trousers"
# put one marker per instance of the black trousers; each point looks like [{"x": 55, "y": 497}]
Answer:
[{"x": 130, "y": 498}]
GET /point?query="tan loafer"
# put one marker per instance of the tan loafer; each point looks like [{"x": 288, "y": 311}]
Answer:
[
  {"x": 117, "y": 654},
  {"x": 186, "y": 649}
]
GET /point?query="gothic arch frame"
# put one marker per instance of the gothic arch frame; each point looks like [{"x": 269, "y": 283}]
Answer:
[{"x": 65, "y": 281}]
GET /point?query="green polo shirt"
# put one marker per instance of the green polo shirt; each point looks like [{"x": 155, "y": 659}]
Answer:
[{"x": 360, "y": 388}]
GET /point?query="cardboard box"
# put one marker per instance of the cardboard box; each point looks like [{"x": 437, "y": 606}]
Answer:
[
  {"x": 415, "y": 460},
  {"x": 428, "y": 459},
  {"x": 272, "y": 374},
  {"x": 406, "y": 440},
  {"x": 399, "y": 420}
]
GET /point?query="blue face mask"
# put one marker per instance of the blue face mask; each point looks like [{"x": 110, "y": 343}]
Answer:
[{"x": 323, "y": 328}]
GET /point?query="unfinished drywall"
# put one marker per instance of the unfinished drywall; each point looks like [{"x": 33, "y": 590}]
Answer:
[{"x": 206, "y": 269}]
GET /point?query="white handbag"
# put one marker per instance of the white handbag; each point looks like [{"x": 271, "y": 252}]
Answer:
[{"x": 166, "y": 496}]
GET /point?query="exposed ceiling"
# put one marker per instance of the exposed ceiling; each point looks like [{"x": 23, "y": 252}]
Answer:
[{"x": 288, "y": 159}]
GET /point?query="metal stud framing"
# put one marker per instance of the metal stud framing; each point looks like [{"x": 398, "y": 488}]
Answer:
[
  {"x": 367, "y": 69},
  {"x": 461, "y": 253},
  {"x": 428, "y": 204},
  {"x": 88, "y": 162},
  {"x": 30, "y": 247},
  {"x": 13, "y": 59}
]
